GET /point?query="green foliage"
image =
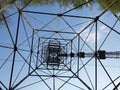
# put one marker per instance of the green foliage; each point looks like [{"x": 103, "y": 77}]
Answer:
[
  {"x": 66, "y": 3},
  {"x": 42, "y": 2},
  {"x": 3, "y": 3},
  {"x": 105, "y": 3}
]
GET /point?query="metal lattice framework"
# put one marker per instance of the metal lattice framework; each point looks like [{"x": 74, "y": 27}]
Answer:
[{"x": 59, "y": 48}]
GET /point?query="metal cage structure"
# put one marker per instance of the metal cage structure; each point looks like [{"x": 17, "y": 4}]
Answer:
[
  {"x": 59, "y": 48},
  {"x": 53, "y": 53}
]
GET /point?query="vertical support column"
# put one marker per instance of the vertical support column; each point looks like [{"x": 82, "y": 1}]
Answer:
[
  {"x": 38, "y": 52},
  {"x": 14, "y": 55},
  {"x": 54, "y": 79},
  {"x": 71, "y": 55},
  {"x": 78, "y": 53},
  {"x": 96, "y": 55},
  {"x": 66, "y": 56},
  {"x": 43, "y": 53},
  {"x": 31, "y": 52}
]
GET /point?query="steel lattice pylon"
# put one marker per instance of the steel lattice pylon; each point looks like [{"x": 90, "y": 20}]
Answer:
[{"x": 58, "y": 48}]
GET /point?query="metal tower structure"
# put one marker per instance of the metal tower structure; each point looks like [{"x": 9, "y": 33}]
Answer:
[{"x": 59, "y": 48}]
